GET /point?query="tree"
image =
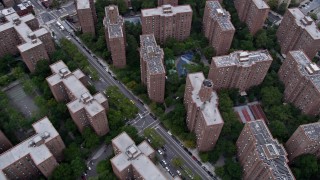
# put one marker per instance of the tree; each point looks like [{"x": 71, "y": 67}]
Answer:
[
  {"x": 279, "y": 130},
  {"x": 78, "y": 166},
  {"x": 72, "y": 152},
  {"x": 271, "y": 96},
  {"x": 63, "y": 171},
  {"x": 306, "y": 167},
  {"x": 204, "y": 156},
  {"x": 273, "y": 4},
  {"x": 209, "y": 52},
  {"x": 282, "y": 8},
  {"x": 177, "y": 162},
  {"x": 91, "y": 140},
  {"x": 261, "y": 39},
  {"x": 313, "y": 16}
]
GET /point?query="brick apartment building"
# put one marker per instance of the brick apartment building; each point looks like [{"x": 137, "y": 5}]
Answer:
[
  {"x": 298, "y": 32},
  {"x": 253, "y": 12},
  {"x": 23, "y": 8},
  {"x": 134, "y": 162},
  {"x": 5, "y": 144},
  {"x": 115, "y": 35},
  {"x": 260, "y": 155},
  {"x": 171, "y": 2},
  {"x": 23, "y": 35},
  {"x": 203, "y": 116},
  {"x": 240, "y": 69},
  {"x": 8, "y": 3},
  {"x": 305, "y": 140},
  {"x": 153, "y": 73},
  {"x": 301, "y": 79},
  {"x": 35, "y": 156},
  {"x": 85, "y": 109},
  {"x": 167, "y": 21},
  {"x": 217, "y": 27},
  {"x": 87, "y": 15}
]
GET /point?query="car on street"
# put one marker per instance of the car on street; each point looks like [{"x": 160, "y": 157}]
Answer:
[
  {"x": 164, "y": 162},
  {"x": 167, "y": 168},
  {"x": 164, "y": 148},
  {"x": 171, "y": 173},
  {"x": 160, "y": 152},
  {"x": 179, "y": 172},
  {"x": 131, "y": 101},
  {"x": 89, "y": 168}
]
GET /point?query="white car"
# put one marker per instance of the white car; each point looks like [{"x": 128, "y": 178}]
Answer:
[
  {"x": 159, "y": 151},
  {"x": 167, "y": 169},
  {"x": 179, "y": 172},
  {"x": 164, "y": 162}
]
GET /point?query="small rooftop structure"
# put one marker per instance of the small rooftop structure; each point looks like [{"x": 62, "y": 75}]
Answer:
[
  {"x": 220, "y": 15},
  {"x": 242, "y": 58},
  {"x": 83, "y": 4},
  {"x": 261, "y": 4},
  {"x": 152, "y": 53},
  {"x": 166, "y": 10},
  {"x": 129, "y": 154},
  {"x": 270, "y": 151},
  {"x": 308, "y": 69},
  {"x": 209, "y": 108}
]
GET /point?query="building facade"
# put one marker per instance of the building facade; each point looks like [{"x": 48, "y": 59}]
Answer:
[
  {"x": 5, "y": 144},
  {"x": 171, "y": 2},
  {"x": 217, "y": 27},
  {"x": 253, "y": 12},
  {"x": 86, "y": 12},
  {"x": 37, "y": 155},
  {"x": 134, "y": 162},
  {"x": 115, "y": 35},
  {"x": 167, "y": 22},
  {"x": 153, "y": 73},
  {"x": 301, "y": 79},
  {"x": 85, "y": 109},
  {"x": 298, "y": 32},
  {"x": 260, "y": 155},
  {"x": 23, "y": 35},
  {"x": 305, "y": 140},
  {"x": 240, "y": 69},
  {"x": 203, "y": 116}
]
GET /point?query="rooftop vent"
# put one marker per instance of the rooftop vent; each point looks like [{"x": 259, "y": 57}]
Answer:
[
  {"x": 86, "y": 97},
  {"x": 307, "y": 20},
  {"x": 32, "y": 36},
  {"x": 64, "y": 72},
  {"x": 207, "y": 83},
  {"x": 312, "y": 68},
  {"x": 33, "y": 41},
  {"x": 243, "y": 56},
  {"x": 16, "y": 20},
  {"x": 132, "y": 152},
  {"x": 38, "y": 140},
  {"x": 167, "y": 9},
  {"x": 220, "y": 12}
]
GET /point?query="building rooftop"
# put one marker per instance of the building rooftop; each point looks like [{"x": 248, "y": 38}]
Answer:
[
  {"x": 29, "y": 39},
  {"x": 308, "y": 69},
  {"x": 166, "y": 10},
  {"x": 242, "y": 58},
  {"x": 312, "y": 131},
  {"x": 270, "y": 151},
  {"x": 220, "y": 15},
  {"x": 305, "y": 22},
  {"x": 261, "y": 4},
  {"x": 83, "y": 4},
  {"x": 133, "y": 155},
  {"x": 33, "y": 146},
  {"x": 209, "y": 108},
  {"x": 82, "y": 96},
  {"x": 152, "y": 54},
  {"x": 114, "y": 28},
  {"x": 145, "y": 148}
]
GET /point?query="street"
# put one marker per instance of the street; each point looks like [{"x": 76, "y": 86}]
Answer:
[{"x": 107, "y": 78}]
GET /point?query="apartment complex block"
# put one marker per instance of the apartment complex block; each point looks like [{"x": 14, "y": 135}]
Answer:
[
  {"x": 260, "y": 155},
  {"x": 298, "y": 32},
  {"x": 8, "y": 3},
  {"x": 305, "y": 140},
  {"x": 217, "y": 27},
  {"x": 203, "y": 116},
  {"x": 23, "y": 35},
  {"x": 167, "y": 21},
  {"x": 133, "y": 162},
  {"x": 253, "y": 12},
  {"x": 85, "y": 109},
  {"x": 301, "y": 79},
  {"x": 153, "y": 73},
  {"x": 5, "y": 144},
  {"x": 86, "y": 12},
  {"x": 240, "y": 69},
  {"x": 115, "y": 35},
  {"x": 171, "y": 2},
  {"x": 37, "y": 155}
]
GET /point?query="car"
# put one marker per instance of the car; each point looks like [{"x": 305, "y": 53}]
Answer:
[
  {"x": 160, "y": 152},
  {"x": 167, "y": 168},
  {"x": 89, "y": 168},
  {"x": 169, "y": 133},
  {"x": 179, "y": 172},
  {"x": 171, "y": 173},
  {"x": 131, "y": 101},
  {"x": 210, "y": 173},
  {"x": 149, "y": 140},
  {"x": 164, "y": 162},
  {"x": 194, "y": 158},
  {"x": 68, "y": 37},
  {"x": 164, "y": 148}
]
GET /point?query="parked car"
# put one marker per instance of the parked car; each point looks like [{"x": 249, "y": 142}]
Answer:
[
  {"x": 160, "y": 152},
  {"x": 179, "y": 172}
]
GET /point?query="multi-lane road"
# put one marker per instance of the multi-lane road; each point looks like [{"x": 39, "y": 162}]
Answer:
[{"x": 107, "y": 78}]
